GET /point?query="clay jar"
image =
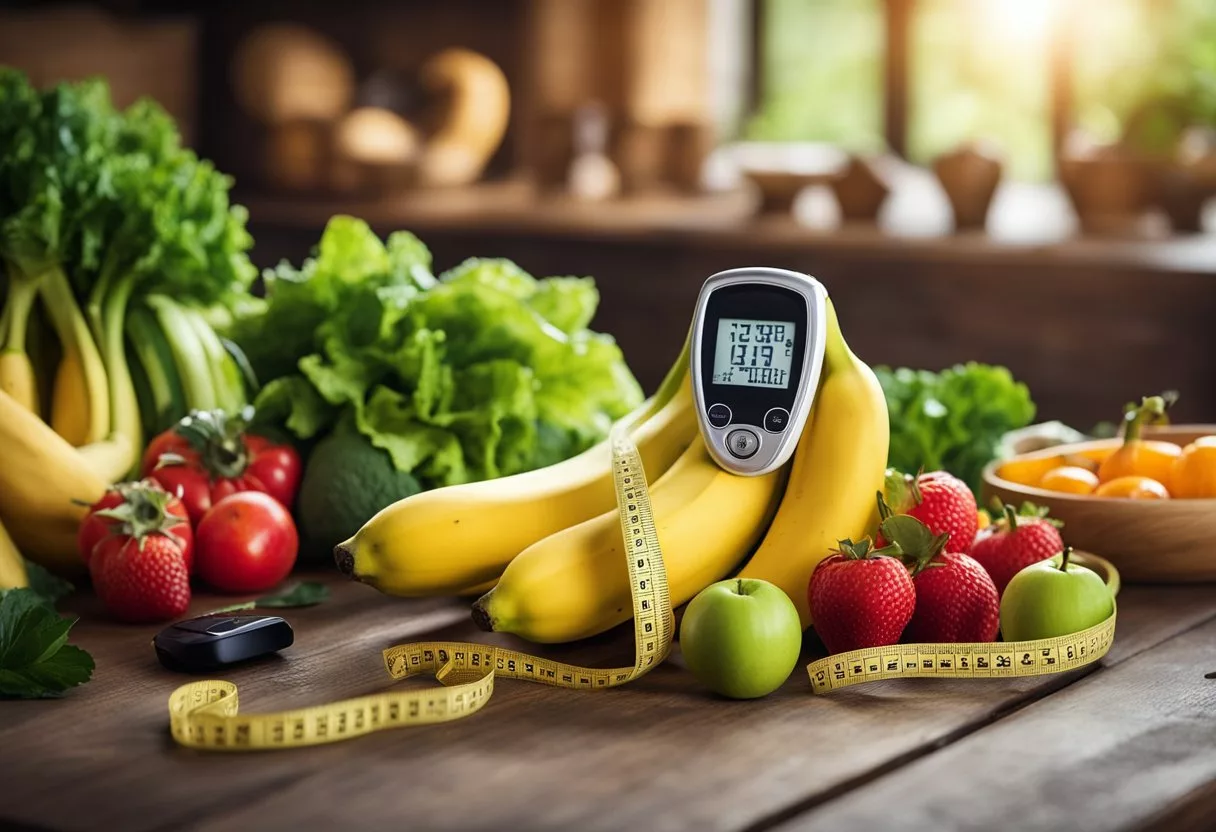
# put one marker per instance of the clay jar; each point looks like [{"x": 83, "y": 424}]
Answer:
[{"x": 969, "y": 175}]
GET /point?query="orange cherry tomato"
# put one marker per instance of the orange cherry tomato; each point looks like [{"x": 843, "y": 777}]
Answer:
[
  {"x": 1133, "y": 488},
  {"x": 1194, "y": 472},
  {"x": 1141, "y": 458},
  {"x": 1070, "y": 479},
  {"x": 1138, "y": 457}
]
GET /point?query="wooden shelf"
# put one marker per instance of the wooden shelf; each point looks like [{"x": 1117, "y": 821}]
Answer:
[{"x": 1029, "y": 225}]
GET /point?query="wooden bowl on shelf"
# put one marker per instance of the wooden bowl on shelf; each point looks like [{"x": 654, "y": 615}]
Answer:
[{"x": 1148, "y": 541}]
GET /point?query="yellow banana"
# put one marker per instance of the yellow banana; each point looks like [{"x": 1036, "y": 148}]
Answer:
[
  {"x": 12, "y": 567},
  {"x": 16, "y": 370},
  {"x": 80, "y": 403},
  {"x": 574, "y": 584},
  {"x": 45, "y": 487},
  {"x": 479, "y": 590},
  {"x": 444, "y": 541},
  {"x": 17, "y": 379},
  {"x": 837, "y": 470},
  {"x": 112, "y": 460}
]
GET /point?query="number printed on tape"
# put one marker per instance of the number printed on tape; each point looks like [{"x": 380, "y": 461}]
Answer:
[
  {"x": 205, "y": 714},
  {"x": 995, "y": 660}
]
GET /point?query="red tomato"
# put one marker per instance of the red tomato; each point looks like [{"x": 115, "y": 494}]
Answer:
[
  {"x": 130, "y": 509},
  {"x": 216, "y": 458},
  {"x": 246, "y": 543}
]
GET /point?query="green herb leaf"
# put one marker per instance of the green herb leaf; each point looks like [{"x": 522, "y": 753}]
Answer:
[
  {"x": 35, "y": 660},
  {"x": 304, "y": 594},
  {"x": 47, "y": 586}
]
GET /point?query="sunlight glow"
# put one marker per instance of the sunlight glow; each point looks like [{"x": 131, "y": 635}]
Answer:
[{"x": 1021, "y": 20}]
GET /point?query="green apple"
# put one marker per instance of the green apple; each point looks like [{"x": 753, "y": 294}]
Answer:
[
  {"x": 741, "y": 638},
  {"x": 1053, "y": 597}
]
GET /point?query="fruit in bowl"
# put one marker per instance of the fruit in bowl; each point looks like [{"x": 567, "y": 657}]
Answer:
[
  {"x": 1193, "y": 475},
  {"x": 1149, "y": 539},
  {"x": 1139, "y": 466},
  {"x": 1133, "y": 488}
]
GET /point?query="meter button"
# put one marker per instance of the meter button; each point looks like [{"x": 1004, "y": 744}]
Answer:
[
  {"x": 742, "y": 443},
  {"x": 719, "y": 415},
  {"x": 776, "y": 420}
]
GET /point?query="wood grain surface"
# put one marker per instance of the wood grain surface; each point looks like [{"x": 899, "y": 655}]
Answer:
[
  {"x": 1106, "y": 752},
  {"x": 658, "y": 754}
]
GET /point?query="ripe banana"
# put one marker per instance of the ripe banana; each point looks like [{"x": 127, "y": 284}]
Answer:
[
  {"x": 45, "y": 488},
  {"x": 80, "y": 404},
  {"x": 12, "y": 567},
  {"x": 442, "y": 541},
  {"x": 447, "y": 540},
  {"x": 837, "y": 470},
  {"x": 17, "y": 379},
  {"x": 16, "y": 370},
  {"x": 574, "y": 584}
]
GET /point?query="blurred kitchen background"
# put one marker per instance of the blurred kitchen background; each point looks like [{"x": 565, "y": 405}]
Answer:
[{"x": 1021, "y": 182}]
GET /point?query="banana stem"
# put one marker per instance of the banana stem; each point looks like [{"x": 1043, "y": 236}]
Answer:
[
  {"x": 22, "y": 291},
  {"x": 95, "y": 307},
  {"x": 75, "y": 338},
  {"x": 124, "y": 405},
  {"x": 188, "y": 353},
  {"x": 836, "y": 353}
]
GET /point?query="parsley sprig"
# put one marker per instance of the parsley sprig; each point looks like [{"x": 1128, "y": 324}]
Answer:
[{"x": 36, "y": 662}]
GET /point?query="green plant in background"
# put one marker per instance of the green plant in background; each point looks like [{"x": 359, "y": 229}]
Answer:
[
  {"x": 1146, "y": 89},
  {"x": 954, "y": 419},
  {"x": 822, "y": 70}
]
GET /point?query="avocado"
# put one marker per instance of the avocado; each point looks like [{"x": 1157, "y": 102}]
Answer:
[{"x": 347, "y": 480}]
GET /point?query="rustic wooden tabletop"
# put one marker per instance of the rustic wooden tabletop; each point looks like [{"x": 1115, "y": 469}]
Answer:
[{"x": 1127, "y": 744}]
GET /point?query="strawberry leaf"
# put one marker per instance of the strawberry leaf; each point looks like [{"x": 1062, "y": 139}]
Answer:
[
  {"x": 918, "y": 543},
  {"x": 900, "y": 491},
  {"x": 864, "y": 549}
]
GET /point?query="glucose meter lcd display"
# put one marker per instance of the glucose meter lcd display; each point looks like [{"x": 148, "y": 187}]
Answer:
[{"x": 753, "y": 353}]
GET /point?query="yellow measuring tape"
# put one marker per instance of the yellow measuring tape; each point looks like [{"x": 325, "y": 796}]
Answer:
[
  {"x": 206, "y": 714},
  {"x": 978, "y": 660}
]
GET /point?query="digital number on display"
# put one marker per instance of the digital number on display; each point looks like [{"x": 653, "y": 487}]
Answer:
[{"x": 753, "y": 353}]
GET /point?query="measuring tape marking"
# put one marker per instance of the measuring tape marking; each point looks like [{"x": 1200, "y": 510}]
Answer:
[
  {"x": 964, "y": 660},
  {"x": 205, "y": 714}
]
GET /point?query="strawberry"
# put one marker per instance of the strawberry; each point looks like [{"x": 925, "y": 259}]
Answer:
[
  {"x": 140, "y": 564},
  {"x": 860, "y": 597},
  {"x": 955, "y": 598},
  {"x": 1015, "y": 541},
  {"x": 938, "y": 499},
  {"x": 128, "y": 508},
  {"x": 141, "y": 580}
]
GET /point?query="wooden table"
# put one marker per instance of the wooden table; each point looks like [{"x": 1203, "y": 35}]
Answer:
[{"x": 1127, "y": 744}]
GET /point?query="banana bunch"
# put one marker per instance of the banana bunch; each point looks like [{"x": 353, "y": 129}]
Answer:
[
  {"x": 53, "y": 469},
  {"x": 45, "y": 487},
  {"x": 547, "y": 544}
]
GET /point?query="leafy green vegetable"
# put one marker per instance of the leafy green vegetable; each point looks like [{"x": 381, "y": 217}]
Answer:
[
  {"x": 954, "y": 419},
  {"x": 99, "y": 206},
  {"x": 482, "y": 372},
  {"x": 36, "y": 662}
]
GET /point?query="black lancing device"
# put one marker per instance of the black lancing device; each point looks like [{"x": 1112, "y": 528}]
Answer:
[{"x": 214, "y": 641}]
